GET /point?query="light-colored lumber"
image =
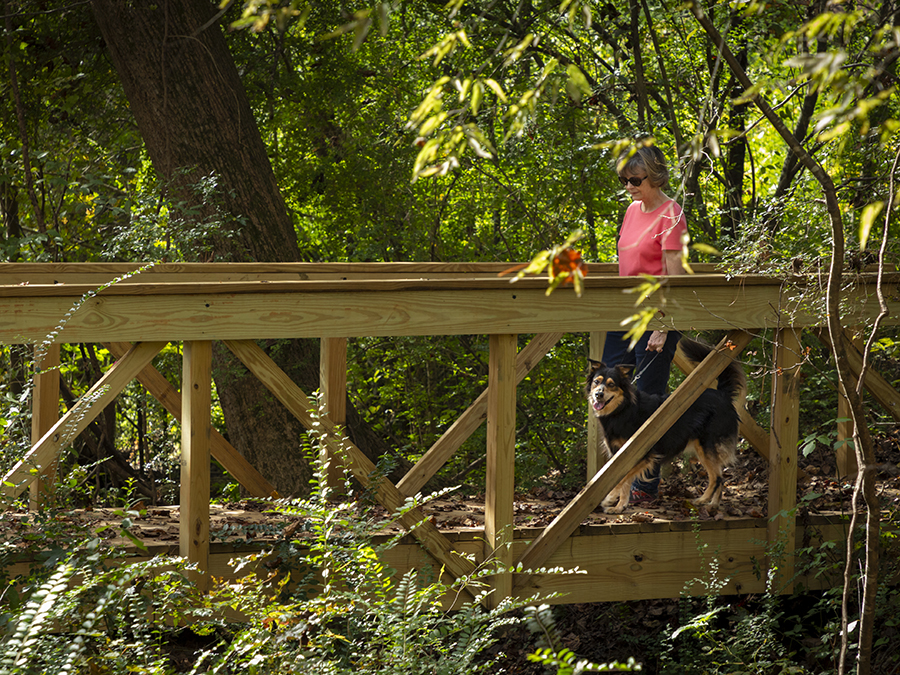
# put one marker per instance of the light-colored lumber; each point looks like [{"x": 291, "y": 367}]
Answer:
[
  {"x": 598, "y": 452},
  {"x": 881, "y": 390},
  {"x": 46, "y": 451},
  {"x": 44, "y": 414},
  {"x": 466, "y": 424},
  {"x": 754, "y": 434},
  {"x": 223, "y": 451},
  {"x": 783, "y": 451},
  {"x": 333, "y": 387},
  {"x": 196, "y": 428},
  {"x": 501, "y": 462},
  {"x": 553, "y": 536},
  {"x": 434, "y": 307},
  {"x": 361, "y": 467}
]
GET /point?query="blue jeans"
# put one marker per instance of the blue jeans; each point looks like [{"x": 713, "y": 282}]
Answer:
[{"x": 651, "y": 373}]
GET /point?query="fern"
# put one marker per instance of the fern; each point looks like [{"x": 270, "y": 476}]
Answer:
[{"x": 32, "y": 621}]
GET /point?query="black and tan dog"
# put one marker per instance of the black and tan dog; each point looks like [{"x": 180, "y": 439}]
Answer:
[{"x": 710, "y": 425}]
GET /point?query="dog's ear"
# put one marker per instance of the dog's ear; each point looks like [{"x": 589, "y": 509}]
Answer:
[
  {"x": 595, "y": 365},
  {"x": 625, "y": 369}
]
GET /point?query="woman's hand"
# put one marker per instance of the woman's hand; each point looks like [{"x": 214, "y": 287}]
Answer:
[{"x": 657, "y": 341}]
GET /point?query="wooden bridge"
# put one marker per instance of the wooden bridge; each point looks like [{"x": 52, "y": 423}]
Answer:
[{"x": 196, "y": 304}]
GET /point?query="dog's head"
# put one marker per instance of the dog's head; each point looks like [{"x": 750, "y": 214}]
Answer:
[{"x": 608, "y": 388}]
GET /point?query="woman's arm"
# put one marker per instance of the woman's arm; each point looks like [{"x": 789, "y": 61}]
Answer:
[{"x": 673, "y": 266}]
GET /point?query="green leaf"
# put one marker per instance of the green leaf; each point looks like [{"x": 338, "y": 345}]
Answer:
[{"x": 869, "y": 214}]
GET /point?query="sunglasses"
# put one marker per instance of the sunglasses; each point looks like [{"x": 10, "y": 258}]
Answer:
[{"x": 634, "y": 181}]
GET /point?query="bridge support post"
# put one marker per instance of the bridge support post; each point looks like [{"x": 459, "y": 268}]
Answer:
[
  {"x": 501, "y": 462},
  {"x": 44, "y": 414},
  {"x": 597, "y": 451},
  {"x": 333, "y": 385},
  {"x": 783, "y": 455},
  {"x": 196, "y": 430}
]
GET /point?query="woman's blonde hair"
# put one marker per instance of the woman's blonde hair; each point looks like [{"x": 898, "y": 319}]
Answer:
[{"x": 651, "y": 160}]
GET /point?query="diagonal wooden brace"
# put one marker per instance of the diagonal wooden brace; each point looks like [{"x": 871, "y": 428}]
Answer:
[
  {"x": 545, "y": 545},
  {"x": 224, "y": 453},
  {"x": 471, "y": 419},
  {"x": 79, "y": 416},
  {"x": 360, "y": 466},
  {"x": 881, "y": 390}
]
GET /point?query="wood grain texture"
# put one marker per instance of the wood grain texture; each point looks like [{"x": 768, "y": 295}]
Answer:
[
  {"x": 783, "y": 451},
  {"x": 223, "y": 452},
  {"x": 472, "y": 418},
  {"x": 501, "y": 462},
  {"x": 384, "y": 308},
  {"x": 45, "y": 452},
  {"x": 196, "y": 427},
  {"x": 333, "y": 387},
  {"x": 553, "y": 536},
  {"x": 360, "y": 466},
  {"x": 44, "y": 414}
]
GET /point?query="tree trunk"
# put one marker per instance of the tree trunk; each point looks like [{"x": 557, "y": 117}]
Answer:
[{"x": 195, "y": 119}]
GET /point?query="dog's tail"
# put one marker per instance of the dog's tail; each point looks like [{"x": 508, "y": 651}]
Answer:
[{"x": 732, "y": 381}]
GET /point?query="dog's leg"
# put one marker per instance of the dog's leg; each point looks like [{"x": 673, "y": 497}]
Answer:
[
  {"x": 617, "y": 500},
  {"x": 711, "y": 461}
]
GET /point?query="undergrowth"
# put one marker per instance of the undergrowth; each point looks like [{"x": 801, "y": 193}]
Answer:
[{"x": 320, "y": 601}]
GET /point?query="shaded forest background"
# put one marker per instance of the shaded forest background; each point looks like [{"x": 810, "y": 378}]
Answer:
[{"x": 182, "y": 131}]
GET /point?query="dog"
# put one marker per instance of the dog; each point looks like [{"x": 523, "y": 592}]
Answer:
[{"x": 710, "y": 425}]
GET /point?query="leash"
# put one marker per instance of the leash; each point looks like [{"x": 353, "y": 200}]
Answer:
[{"x": 638, "y": 374}]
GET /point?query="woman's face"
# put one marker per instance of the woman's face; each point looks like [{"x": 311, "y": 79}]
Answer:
[{"x": 640, "y": 192}]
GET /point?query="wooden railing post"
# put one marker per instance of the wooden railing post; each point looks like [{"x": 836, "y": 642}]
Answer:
[
  {"x": 196, "y": 426},
  {"x": 597, "y": 450},
  {"x": 501, "y": 461},
  {"x": 333, "y": 385},
  {"x": 44, "y": 414},
  {"x": 783, "y": 453}
]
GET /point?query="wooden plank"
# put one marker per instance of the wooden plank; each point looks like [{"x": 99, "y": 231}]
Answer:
[
  {"x": 79, "y": 416},
  {"x": 755, "y": 435},
  {"x": 196, "y": 428},
  {"x": 97, "y": 274},
  {"x": 501, "y": 462},
  {"x": 44, "y": 414},
  {"x": 361, "y": 467},
  {"x": 306, "y": 313},
  {"x": 223, "y": 451},
  {"x": 598, "y": 452},
  {"x": 540, "y": 550},
  {"x": 333, "y": 387},
  {"x": 783, "y": 452},
  {"x": 471, "y": 419},
  {"x": 881, "y": 390}
]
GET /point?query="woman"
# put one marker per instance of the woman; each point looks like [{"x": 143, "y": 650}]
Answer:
[{"x": 650, "y": 242}]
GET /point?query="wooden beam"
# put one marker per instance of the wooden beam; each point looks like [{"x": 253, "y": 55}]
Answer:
[
  {"x": 44, "y": 414},
  {"x": 333, "y": 386},
  {"x": 360, "y": 466},
  {"x": 444, "y": 307},
  {"x": 598, "y": 452},
  {"x": 196, "y": 427},
  {"x": 223, "y": 451},
  {"x": 501, "y": 462},
  {"x": 540, "y": 550},
  {"x": 471, "y": 419},
  {"x": 783, "y": 452},
  {"x": 881, "y": 390},
  {"x": 79, "y": 416},
  {"x": 755, "y": 435}
]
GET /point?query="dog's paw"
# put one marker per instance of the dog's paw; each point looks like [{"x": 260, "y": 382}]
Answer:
[
  {"x": 612, "y": 510},
  {"x": 700, "y": 501},
  {"x": 609, "y": 500}
]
